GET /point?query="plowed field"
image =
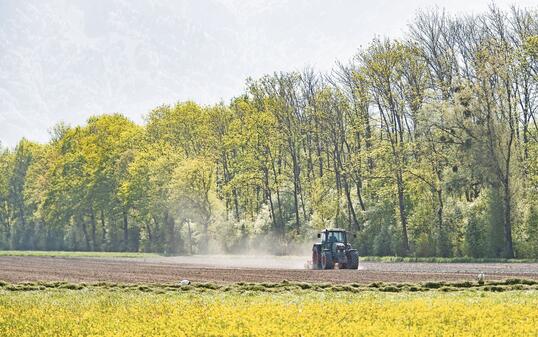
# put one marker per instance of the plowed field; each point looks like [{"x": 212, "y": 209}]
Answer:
[{"x": 222, "y": 269}]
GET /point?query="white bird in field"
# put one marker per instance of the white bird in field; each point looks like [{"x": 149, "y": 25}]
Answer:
[{"x": 481, "y": 277}]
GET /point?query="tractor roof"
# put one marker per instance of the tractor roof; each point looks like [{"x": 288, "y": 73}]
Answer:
[{"x": 333, "y": 230}]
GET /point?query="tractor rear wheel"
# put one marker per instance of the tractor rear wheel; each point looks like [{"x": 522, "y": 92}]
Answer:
[
  {"x": 327, "y": 260},
  {"x": 353, "y": 260}
]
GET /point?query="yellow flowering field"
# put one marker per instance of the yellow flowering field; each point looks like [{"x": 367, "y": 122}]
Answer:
[{"x": 94, "y": 312}]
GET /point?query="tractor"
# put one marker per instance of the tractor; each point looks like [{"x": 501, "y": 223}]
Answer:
[{"x": 334, "y": 249}]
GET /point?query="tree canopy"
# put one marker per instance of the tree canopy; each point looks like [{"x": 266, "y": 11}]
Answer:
[{"x": 424, "y": 146}]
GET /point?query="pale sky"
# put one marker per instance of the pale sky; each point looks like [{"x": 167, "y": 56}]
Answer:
[{"x": 65, "y": 60}]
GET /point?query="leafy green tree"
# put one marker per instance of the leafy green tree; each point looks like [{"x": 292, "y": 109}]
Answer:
[
  {"x": 423, "y": 146},
  {"x": 6, "y": 169}
]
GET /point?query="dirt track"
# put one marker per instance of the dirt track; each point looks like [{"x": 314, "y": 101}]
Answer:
[{"x": 21, "y": 269}]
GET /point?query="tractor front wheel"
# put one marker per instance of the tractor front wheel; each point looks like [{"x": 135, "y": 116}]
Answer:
[{"x": 327, "y": 261}]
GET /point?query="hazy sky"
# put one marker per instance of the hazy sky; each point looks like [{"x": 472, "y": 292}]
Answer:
[{"x": 65, "y": 60}]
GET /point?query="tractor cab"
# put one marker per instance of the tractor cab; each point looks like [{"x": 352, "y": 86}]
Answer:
[
  {"x": 334, "y": 249},
  {"x": 329, "y": 236}
]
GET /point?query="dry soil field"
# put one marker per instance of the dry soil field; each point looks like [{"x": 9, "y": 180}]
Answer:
[{"x": 229, "y": 269}]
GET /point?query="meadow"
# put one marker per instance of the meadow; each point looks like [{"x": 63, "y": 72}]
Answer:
[{"x": 287, "y": 309}]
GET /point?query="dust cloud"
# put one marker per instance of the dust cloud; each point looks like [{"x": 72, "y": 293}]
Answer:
[{"x": 237, "y": 261}]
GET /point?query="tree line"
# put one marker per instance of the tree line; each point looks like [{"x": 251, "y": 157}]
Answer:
[{"x": 423, "y": 146}]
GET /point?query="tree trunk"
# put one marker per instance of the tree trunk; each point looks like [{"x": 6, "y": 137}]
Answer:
[
  {"x": 190, "y": 236},
  {"x": 278, "y": 199},
  {"x": 103, "y": 229},
  {"x": 355, "y": 223},
  {"x": 270, "y": 198},
  {"x": 440, "y": 208},
  {"x": 509, "y": 249},
  {"x": 125, "y": 231},
  {"x": 296, "y": 189},
  {"x": 172, "y": 242},
  {"x": 403, "y": 215},
  {"x": 85, "y": 232},
  {"x": 359, "y": 195},
  {"x": 236, "y": 204},
  {"x": 93, "y": 223}
]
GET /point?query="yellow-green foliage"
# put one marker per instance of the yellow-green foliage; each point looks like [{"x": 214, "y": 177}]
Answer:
[{"x": 133, "y": 313}]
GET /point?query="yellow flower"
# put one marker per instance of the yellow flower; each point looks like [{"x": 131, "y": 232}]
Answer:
[{"x": 134, "y": 313}]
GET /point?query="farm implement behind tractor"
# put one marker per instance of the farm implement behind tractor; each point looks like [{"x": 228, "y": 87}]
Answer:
[{"x": 334, "y": 250}]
